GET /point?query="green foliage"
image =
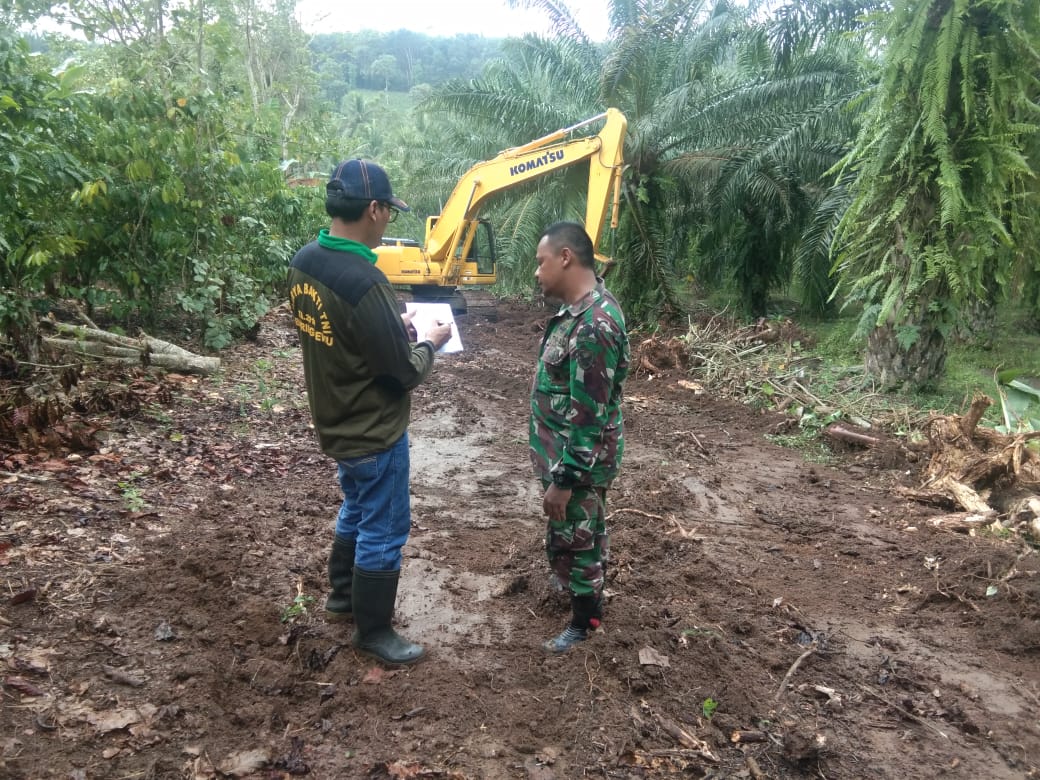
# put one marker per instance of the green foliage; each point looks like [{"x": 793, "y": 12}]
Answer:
[
  {"x": 1019, "y": 403},
  {"x": 725, "y": 159},
  {"x": 40, "y": 114},
  {"x": 131, "y": 493},
  {"x": 300, "y": 604},
  {"x": 152, "y": 191},
  {"x": 265, "y": 392},
  {"x": 708, "y": 707},
  {"x": 765, "y": 148},
  {"x": 183, "y": 216},
  {"x": 971, "y": 370},
  {"x": 159, "y": 183},
  {"x": 811, "y": 422},
  {"x": 940, "y": 169},
  {"x": 351, "y": 61}
]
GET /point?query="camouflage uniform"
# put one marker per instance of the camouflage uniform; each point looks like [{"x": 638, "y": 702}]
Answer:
[{"x": 575, "y": 431}]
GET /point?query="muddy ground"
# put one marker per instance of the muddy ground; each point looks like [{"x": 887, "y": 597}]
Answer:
[{"x": 768, "y": 617}]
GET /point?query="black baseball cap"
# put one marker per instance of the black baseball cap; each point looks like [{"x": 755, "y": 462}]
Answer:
[{"x": 363, "y": 180}]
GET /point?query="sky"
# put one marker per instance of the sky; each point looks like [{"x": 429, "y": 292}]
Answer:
[{"x": 491, "y": 18}]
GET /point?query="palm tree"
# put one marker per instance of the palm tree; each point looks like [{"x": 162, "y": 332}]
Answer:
[
  {"x": 939, "y": 175},
  {"x": 724, "y": 150},
  {"x": 766, "y": 146},
  {"x": 645, "y": 70}
]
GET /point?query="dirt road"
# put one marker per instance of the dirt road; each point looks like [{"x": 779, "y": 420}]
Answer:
[{"x": 768, "y": 617}]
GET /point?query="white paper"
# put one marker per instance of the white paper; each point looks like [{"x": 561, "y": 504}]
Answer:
[{"x": 427, "y": 315}]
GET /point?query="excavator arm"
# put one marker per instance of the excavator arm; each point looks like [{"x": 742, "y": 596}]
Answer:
[{"x": 458, "y": 242}]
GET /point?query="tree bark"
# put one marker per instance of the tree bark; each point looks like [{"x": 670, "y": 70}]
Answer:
[
  {"x": 146, "y": 350},
  {"x": 970, "y": 421},
  {"x": 919, "y": 365}
]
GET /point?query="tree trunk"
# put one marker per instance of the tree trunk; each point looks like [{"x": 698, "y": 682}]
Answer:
[
  {"x": 292, "y": 105},
  {"x": 251, "y": 58},
  {"x": 916, "y": 366},
  {"x": 25, "y": 342},
  {"x": 921, "y": 365},
  {"x": 123, "y": 349},
  {"x": 979, "y": 324}
]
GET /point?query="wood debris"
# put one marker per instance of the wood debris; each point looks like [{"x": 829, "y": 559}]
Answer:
[
  {"x": 112, "y": 347},
  {"x": 987, "y": 474}
]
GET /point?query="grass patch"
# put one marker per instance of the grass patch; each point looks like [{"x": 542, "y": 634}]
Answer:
[
  {"x": 970, "y": 367},
  {"x": 807, "y": 442}
]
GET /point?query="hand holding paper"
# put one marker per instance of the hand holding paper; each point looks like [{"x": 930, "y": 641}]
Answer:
[{"x": 434, "y": 322}]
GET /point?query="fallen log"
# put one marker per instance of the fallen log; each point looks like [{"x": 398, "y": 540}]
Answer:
[
  {"x": 963, "y": 521},
  {"x": 112, "y": 347},
  {"x": 844, "y": 434},
  {"x": 924, "y": 496},
  {"x": 744, "y": 737},
  {"x": 965, "y": 495},
  {"x": 946, "y": 491}
]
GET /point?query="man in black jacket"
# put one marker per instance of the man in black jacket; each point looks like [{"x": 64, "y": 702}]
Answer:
[{"x": 360, "y": 367}]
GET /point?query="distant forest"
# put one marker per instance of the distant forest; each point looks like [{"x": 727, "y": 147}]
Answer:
[
  {"x": 396, "y": 61},
  {"x": 386, "y": 62}
]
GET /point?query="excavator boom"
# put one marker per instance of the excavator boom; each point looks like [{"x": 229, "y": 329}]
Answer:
[{"x": 459, "y": 247}]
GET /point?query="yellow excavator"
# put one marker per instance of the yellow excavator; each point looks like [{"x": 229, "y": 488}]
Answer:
[{"x": 459, "y": 250}]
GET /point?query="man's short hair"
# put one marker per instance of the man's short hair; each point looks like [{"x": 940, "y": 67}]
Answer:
[
  {"x": 347, "y": 209},
  {"x": 573, "y": 236}
]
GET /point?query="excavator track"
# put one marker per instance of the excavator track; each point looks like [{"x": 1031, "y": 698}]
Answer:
[{"x": 471, "y": 301}]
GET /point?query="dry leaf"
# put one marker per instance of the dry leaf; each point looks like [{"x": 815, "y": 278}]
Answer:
[
  {"x": 36, "y": 661},
  {"x": 22, "y": 686},
  {"x": 114, "y": 720},
  {"x": 650, "y": 657},
  {"x": 244, "y": 763},
  {"x": 24, "y": 596},
  {"x": 374, "y": 676}
]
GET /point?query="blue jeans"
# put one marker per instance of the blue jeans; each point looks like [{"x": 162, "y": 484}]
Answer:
[{"x": 376, "y": 508}]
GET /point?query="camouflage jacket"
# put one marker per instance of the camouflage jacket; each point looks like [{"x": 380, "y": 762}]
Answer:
[{"x": 575, "y": 433}]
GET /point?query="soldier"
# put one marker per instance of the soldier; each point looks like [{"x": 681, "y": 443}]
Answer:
[
  {"x": 360, "y": 369},
  {"x": 575, "y": 431}
]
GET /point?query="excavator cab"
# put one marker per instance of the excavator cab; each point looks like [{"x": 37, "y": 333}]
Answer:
[
  {"x": 472, "y": 264},
  {"x": 474, "y": 261},
  {"x": 477, "y": 252}
]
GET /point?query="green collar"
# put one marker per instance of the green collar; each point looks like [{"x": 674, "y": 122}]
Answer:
[{"x": 345, "y": 245}]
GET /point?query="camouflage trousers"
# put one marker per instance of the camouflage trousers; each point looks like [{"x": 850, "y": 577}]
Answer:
[{"x": 578, "y": 546}]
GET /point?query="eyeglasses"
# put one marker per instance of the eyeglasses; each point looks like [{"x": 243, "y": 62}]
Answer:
[{"x": 393, "y": 211}]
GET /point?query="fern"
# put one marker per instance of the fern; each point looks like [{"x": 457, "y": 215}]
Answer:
[{"x": 942, "y": 156}]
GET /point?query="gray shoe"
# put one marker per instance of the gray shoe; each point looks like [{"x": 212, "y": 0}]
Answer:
[{"x": 566, "y": 640}]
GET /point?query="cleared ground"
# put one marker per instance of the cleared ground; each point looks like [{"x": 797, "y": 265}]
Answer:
[{"x": 768, "y": 617}]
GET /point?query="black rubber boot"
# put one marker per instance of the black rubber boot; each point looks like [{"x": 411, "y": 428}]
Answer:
[
  {"x": 339, "y": 605},
  {"x": 586, "y": 615},
  {"x": 375, "y": 593}
]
